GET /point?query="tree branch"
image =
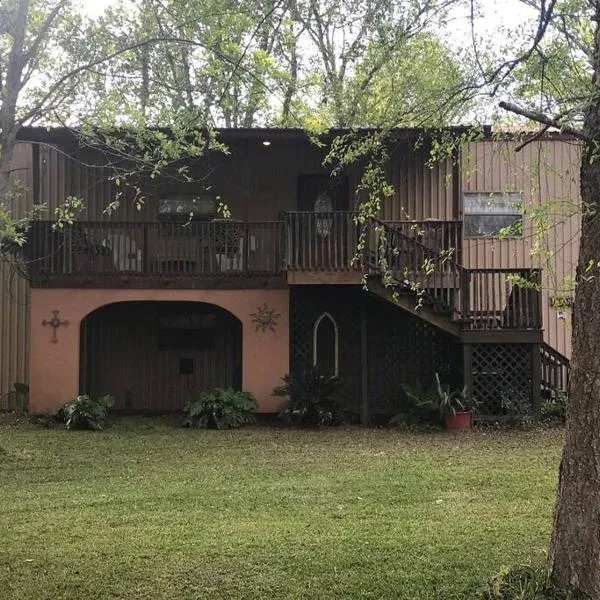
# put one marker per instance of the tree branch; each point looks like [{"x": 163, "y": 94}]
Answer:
[{"x": 539, "y": 117}]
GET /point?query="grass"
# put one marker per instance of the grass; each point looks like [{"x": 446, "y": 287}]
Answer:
[{"x": 147, "y": 511}]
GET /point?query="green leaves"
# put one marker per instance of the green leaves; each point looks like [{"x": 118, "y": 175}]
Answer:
[
  {"x": 220, "y": 409},
  {"x": 313, "y": 399},
  {"x": 85, "y": 412}
]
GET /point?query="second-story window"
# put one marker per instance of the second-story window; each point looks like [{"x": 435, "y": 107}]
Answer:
[
  {"x": 178, "y": 207},
  {"x": 495, "y": 214}
]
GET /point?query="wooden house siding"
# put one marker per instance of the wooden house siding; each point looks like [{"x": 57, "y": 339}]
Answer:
[
  {"x": 259, "y": 182},
  {"x": 121, "y": 355},
  {"x": 421, "y": 192},
  {"x": 547, "y": 173},
  {"x": 14, "y": 290}
]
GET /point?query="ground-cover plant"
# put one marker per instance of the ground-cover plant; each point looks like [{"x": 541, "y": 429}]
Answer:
[
  {"x": 312, "y": 399},
  {"x": 553, "y": 407},
  {"x": 522, "y": 583},
  {"x": 85, "y": 412},
  {"x": 220, "y": 408},
  {"x": 419, "y": 406}
]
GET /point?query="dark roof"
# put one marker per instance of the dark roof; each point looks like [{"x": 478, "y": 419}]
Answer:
[
  {"x": 282, "y": 134},
  {"x": 62, "y": 134}
]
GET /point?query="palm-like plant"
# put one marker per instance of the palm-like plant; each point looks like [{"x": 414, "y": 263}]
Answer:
[{"x": 313, "y": 399}]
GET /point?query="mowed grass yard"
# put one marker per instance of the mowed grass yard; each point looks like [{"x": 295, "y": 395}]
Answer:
[{"x": 147, "y": 510}]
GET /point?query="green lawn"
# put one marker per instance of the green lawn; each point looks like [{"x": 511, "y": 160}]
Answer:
[{"x": 146, "y": 510}]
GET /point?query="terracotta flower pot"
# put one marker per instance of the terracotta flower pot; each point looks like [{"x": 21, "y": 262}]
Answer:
[{"x": 458, "y": 421}]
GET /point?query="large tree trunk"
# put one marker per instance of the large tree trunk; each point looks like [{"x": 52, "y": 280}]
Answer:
[
  {"x": 10, "y": 89},
  {"x": 575, "y": 549}
]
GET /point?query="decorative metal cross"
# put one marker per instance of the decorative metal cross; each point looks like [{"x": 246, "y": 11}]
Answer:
[{"x": 55, "y": 323}]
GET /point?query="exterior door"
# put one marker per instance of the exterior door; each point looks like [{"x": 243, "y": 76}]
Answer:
[{"x": 319, "y": 231}]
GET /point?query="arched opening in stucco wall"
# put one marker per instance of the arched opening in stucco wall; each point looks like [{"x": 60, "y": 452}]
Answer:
[{"x": 154, "y": 356}]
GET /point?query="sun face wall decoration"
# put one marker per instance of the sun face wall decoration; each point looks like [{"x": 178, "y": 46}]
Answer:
[{"x": 265, "y": 318}]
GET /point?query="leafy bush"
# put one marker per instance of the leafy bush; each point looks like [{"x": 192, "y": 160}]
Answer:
[
  {"x": 522, "y": 583},
  {"x": 419, "y": 406},
  {"x": 84, "y": 412},
  {"x": 220, "y": 409},
  {"x": 553, "y": 408},
  {"x": 313, "y": 399},
  {"x": 515, "y": 404}
]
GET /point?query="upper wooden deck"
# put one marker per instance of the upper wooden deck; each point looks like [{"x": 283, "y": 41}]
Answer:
[{"x": 419, "y": 259}]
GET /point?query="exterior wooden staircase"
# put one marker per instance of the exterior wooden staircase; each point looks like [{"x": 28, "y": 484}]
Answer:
[{"x": 402, "y": 269}]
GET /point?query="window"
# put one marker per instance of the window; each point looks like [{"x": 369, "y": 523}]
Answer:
[
  {"x": 183, "y": 208},
  {"x": 325, "y": 345},
  {"x": 493, "y": 215},
  {"x": 187, "y": 330}
]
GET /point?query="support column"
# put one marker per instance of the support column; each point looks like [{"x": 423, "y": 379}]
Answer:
[
  {"x": 468, "y": 370},
  {"x": 536, "y": 380},
  {"x": 364, "y": 360}
]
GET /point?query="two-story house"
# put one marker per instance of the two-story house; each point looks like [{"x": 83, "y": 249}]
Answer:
[{"x": 156, "y": 303}]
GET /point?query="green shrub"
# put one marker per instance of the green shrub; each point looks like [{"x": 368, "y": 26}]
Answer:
[
  {"x": 84, "y": 412},
  {"x": 313, "y": 399},
  {"x": 522, "y": 583},
  {"x": 419, "y": 406},
  {"x": 553, "y": 408},
  {"x": 220, "y": 409}
]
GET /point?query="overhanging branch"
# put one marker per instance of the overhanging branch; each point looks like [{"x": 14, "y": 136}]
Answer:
[{"x": 539, "y": 117}]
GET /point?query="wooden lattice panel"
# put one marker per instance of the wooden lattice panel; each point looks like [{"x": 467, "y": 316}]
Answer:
[
  {"x": 502, "y": 379},
  {"x": 307, "y": 304},
  {"x": 402, "y": 348}
]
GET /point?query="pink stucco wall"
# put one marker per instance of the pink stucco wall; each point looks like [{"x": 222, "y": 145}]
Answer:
[{"x": 55, "y": 366}]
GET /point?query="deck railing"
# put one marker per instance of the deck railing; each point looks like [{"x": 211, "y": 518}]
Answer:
[
  {"x": 480, "y": 298},
  {"x": 320, "y": 242},
  {"x": 555, "y": 370},
  {"x": 225, "y": 248},
  {"x": 503, "y": 299},
  {"x": 328, "y": 241},
  {"x": 434, "y": 277},
  {"x": 439, "y": 236}
]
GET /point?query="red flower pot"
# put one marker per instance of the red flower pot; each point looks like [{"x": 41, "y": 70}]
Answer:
[{"x": 458, "y": 421}]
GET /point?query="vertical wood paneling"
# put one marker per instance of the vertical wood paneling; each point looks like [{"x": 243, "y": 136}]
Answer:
[
  {"x": 121, "y": 356},
  {"x": 421, "y": 192},
  {"x": 547, "y": 172},
  {"x": 14, "y": 290},
  {"x": 14, "y": 329}
]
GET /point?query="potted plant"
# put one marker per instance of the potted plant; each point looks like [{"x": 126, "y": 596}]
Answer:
[{"x": 454, "y": 406}]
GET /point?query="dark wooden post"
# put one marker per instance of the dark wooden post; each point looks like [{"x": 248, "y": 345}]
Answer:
[
  {"x": 468, "y": 370},
  {"x": 246, "y": 246},
  {"x": 456, "y": 184},
  {"x": 364, "y": 359},
  {"x": 536, "y": 379},
  {"x": 464, "y": 304},
  {"x": 145, "y": 264}
]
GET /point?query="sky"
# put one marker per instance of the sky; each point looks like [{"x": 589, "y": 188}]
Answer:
[
  {"x": 93, "y": 8},
  {"x": 497, "y": 12}
]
